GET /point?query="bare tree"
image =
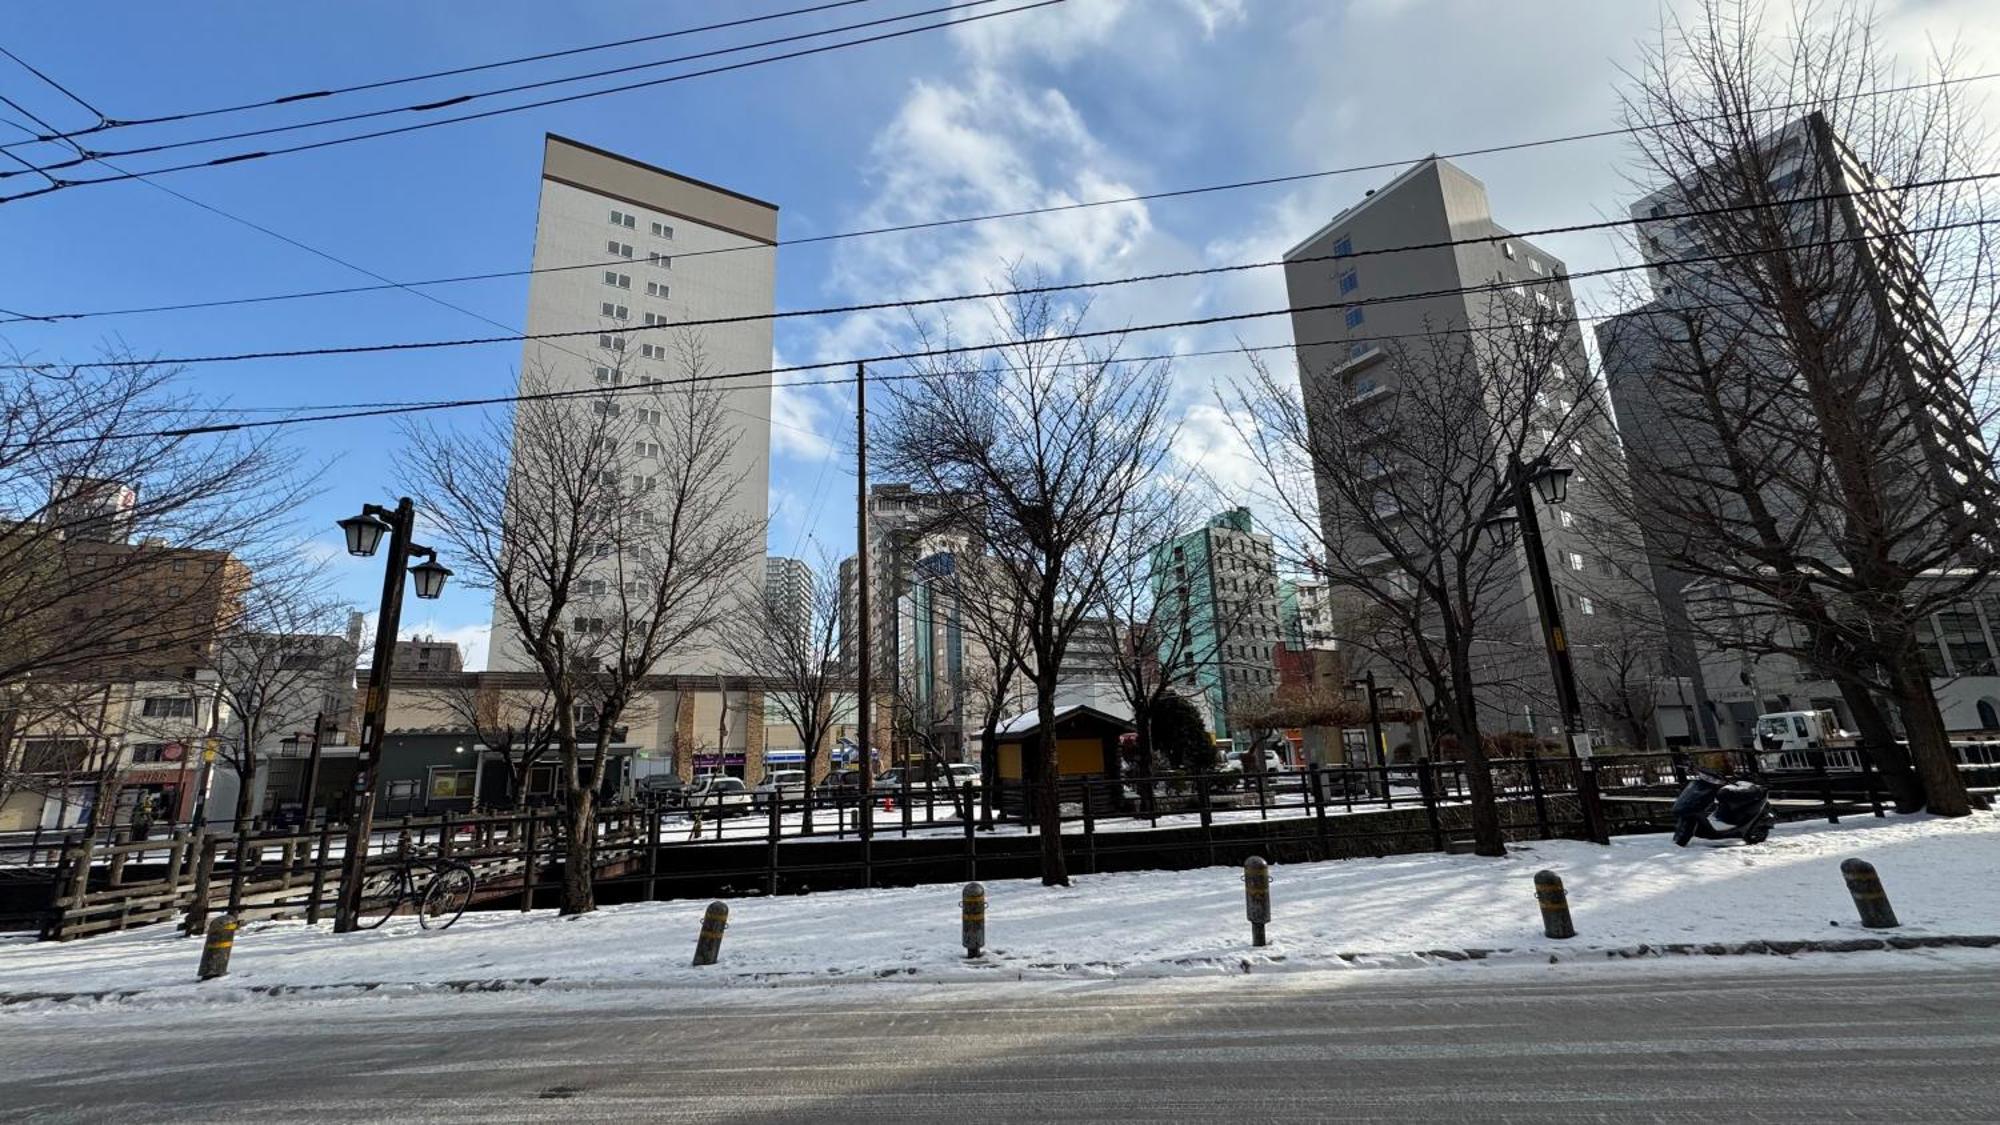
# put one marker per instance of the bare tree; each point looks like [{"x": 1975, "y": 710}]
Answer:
[
  {"x": 282, "y": 658},
  {"x": 605, "y": 525},
  {"x": 1816, "y": 362},
  {"x": 1039, "y": 446},
  {"x": 1390, "y": 486},
  {"x": 796, "y": 649},
  {"x": 111, "y": 482},
  {"x": 993, "y": 617},
  {"x": 1621, "y": 682}
]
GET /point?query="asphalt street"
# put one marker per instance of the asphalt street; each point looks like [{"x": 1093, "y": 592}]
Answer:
[{"x": 1696, "y": 1041}]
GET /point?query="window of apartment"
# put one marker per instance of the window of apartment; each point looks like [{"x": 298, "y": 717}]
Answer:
[
  {"x": 1575, "y": 561},
  {"x": 1344, "y": 247},
  {"x": 1356, "y": 350},
  {"x": 1568, "y": 518},
  {"x": 652, "y": 351},
  {"x": 590, "y": 624},
  {"x": 606, "y": 409},
  {"x": 603, "y": 374},
  {"x": 618, "y": 249},
  {"x": 1507, "y": 248},
  {"x": 615, "y": 343},
  {"x": 167, "y": 707},
  {"x": 1355, "y": 317},
  {"x": 663, "y": 261},
  {"x": 655, "y": 289},
  {"x": 618, "y": 280},
  {"x": 451, "y": 784},
  {"x": 615, "y": 312},
  {"x": 1585, "y": 606},
  {"x": 652, "y": 417},
  {"x": 1349, "y": 281},
  {"x": 404, "y": 789},
  {"x": 1534, "y": 264},
  {"x": 650, "y": 449},
  {"x": 662, "y": 230},
  {"x": 656, "y": 318},
  {"x": 642, "y": 482},
  {"x": 145, "y": 752},
  {"x": 621, "y": 219}
]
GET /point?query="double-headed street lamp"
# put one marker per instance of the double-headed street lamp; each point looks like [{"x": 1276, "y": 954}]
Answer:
[
  {"x": 1551, "y": 481},
  {"x": 364, "y": 534}
]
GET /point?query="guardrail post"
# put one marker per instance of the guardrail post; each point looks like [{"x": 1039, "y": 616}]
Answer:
[
  {"x": 652, "y": 852},
  {"x": 971, "y": 840},
  {"x": 215, "y": 951},
  {"x": 1870, "y": 900},
  {"x": 1257, "y": 896},
  {"x": 319, "y": 871},
  {"x": 972, "y": 919},
  {"x": 1089, "y": 831},
  {"x": 708, "y": 947},
  {"x": 1317, "y": 777},
  {"x": 119, "y": 837},
  {"x": 777, "y": 817},
  {"x": 528, "y": 862},
  {"x": 1554, "y": 902},
  {"x": 1825, "y": 785},
  {"x": 1207, "y": 815}
]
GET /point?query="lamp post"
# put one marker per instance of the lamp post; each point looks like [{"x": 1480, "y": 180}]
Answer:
[
  {"x": 1551, "y": 481},
  {"x": 364, "y": 534}
]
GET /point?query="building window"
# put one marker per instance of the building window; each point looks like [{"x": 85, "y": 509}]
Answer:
[
  {"x": 167, "y": 707},
  {"x": 652, "y": 351},
  {"x": 624, "y": 219},
  {"x": 1354, "y": 318},
  {"x": 1568, "y": 519},
  {"x": 664, "y": 261},
  {"x": 451, "y": 784},
  {"x": 618, "y": 249},
  {"x": 1534, "y": 264},
  {"x": 654, "y": 319},
  {"x": 1584, "y": 605},
  {"x": 1507, "y": 248},
  {"x": 655, "y": 289},
  {"x": 1356, "y": 350},
  {"x": 1575, "y": 561},
  {"x": 148, "y": 752},
  {"x": 1344, "y": 247},
  {"x": 615, "y": 312},
  {"x": 1349, "y": 281},
  {"x": 618, "y": 280},
  {"x": 605, "y": 409},
  {"x": 662, "y": 230}
]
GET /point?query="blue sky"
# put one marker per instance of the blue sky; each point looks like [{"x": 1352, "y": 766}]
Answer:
[{"x": 1089, "y": 99}]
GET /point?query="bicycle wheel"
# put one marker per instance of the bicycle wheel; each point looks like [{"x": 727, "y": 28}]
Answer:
[
  {"x": 447, "y": 896},
  {"x": 382, "y": 891}
]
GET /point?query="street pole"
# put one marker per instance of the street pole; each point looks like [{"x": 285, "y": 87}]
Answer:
[
  {"x": 866, "y": 659},
  {"x": 1560, "y": 667},
  {"x": 312, "y": 774},
  {"x": 375, "y": 712},
  {"x": 1377, "y": 753}
]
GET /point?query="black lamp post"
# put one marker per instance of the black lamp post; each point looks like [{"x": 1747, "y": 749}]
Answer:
[
  {"x": 364, "y": 534},
  {"x": 1551, "y": 481}
]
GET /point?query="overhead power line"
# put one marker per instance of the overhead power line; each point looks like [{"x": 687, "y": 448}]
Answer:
[
  {"x": 85, "y": 156},
  {"x": 242, "y": 157},
  {"x": 389, "y": 409},
  {"x": 1057, "y": 287},
  {"x": 933, "y": 224},
  {"x": 106, "y": 123}
]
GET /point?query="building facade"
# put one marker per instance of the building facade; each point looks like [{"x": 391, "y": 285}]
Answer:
[
  {"x": 788, "y": 592},
  {"x": 1429, "y": 262},
  {"x": 1218, "y": 585},
  {"x": 633, "y": 250}
]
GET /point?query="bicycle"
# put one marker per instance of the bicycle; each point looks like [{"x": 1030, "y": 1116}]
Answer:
[{"x": 444, "y": 897}]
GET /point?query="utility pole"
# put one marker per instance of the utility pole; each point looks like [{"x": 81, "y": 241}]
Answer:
[
  {"x": 864, "y": 665},
  {"x": 312, "y": 774}
]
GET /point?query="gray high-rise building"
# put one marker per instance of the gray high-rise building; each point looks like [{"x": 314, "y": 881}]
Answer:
[
  {"x": 1347, "y": 321},
  {"x": 788, "y": 591},
  {"x": 631, "y": 250},
  {"x": 1851, "y": 241}
]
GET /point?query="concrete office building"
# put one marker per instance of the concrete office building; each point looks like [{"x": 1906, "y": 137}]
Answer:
[
  {"x": 1900, "y": 360},
  {"x": 1348, "y": 360},
  {"x": 1219, "y": 586},
  {"x": 788, "y": 591},
  {"x": 631, "y": 250}
]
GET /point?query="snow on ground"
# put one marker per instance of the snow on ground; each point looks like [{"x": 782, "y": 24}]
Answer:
[{"x": 1641, "y": 889}]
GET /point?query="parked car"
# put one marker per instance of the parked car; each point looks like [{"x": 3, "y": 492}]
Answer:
[
  {"x": 1236, "y": 761},
  {"x": 665, "y": 789},
  {"x": 963, "y": 774},
  {"x": 717, "y": 796},
  {"x": 784, "y": 785}
]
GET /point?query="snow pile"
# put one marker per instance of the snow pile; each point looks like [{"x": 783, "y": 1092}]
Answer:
[{"x": 1641, "y": 889}]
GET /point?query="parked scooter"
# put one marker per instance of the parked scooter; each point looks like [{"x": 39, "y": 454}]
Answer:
[{"x": 1714, "y": 807}]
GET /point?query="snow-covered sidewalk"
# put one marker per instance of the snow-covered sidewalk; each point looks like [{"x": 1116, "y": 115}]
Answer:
[{"x": 1640, "y": 890}]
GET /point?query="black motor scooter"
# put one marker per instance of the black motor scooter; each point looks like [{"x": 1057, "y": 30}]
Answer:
[{"x": 1714, "y": 807}]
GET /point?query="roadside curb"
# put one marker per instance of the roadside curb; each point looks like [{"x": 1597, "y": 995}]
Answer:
[{"x": 1039, "y": 971}]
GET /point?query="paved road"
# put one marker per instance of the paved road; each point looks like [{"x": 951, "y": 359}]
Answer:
[{"x": 1690, "y": 1043}]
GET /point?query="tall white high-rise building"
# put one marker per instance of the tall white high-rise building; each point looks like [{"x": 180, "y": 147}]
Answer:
[{"x": 631, "y": 250}]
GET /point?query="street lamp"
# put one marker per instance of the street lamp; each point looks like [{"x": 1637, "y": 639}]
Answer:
[
  {"x": 1378, "y": 752},
  {"x": 1551, "y": 482},
  {"x": 364, "y": 534}
]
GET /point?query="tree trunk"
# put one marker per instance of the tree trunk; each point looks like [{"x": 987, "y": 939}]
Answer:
[
  {"x": 1486, "y": 837},
  {"x": 1878, "y": 741},
  {"x": 1930, "y": 746},
  {"x": 805, "y": 791},
  {"x": 579, "y": 889},
  {"x": 989, "y": 768},
  {"x": 245, "y": 782},
  {"x": 1048, "y": 811}
]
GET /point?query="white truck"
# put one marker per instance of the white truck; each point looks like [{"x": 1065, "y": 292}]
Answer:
[{"x": 1785, "y": 737}]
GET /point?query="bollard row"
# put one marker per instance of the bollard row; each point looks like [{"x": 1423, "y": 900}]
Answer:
[{"x": 1863, "y": 885}]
